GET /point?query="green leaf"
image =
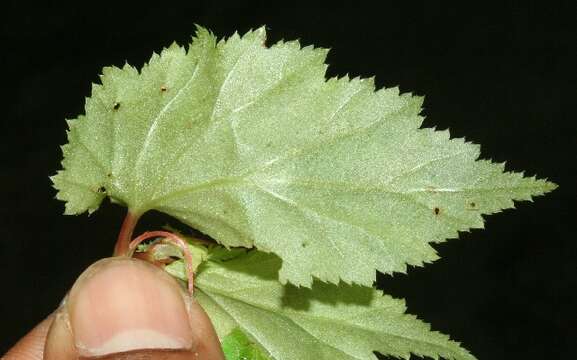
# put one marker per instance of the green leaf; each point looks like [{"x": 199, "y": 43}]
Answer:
[
  {"x": 237, "y": 346},
  {"x": 252, "y": 146},
  {"x": 324, "y": 322}
]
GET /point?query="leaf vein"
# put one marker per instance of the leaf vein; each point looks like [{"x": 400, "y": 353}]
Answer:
[
  {"x": 305, "y": 210},
  {"x": 296, "y": 152},
  {"x": 345, "y": 186},
  {"x": 287, "y": 318},
  {"x": 159, "y": 115},
  {"x": 202, "y": 136},
  {"x": 285, "y": 315},
  {"x": 92, "y": 155}
]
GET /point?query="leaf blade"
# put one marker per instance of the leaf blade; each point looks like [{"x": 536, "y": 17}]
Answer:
[
  {"x": 253, "y": 146},
  {"x": 327, "y": 321}
]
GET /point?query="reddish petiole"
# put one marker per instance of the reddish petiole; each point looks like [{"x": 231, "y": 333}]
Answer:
[{"x": 168, "y": 238}]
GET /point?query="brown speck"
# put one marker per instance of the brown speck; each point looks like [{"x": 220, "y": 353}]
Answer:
[
  {"x": 101, "y": 189},
  {"x": 437, "y": 210},
  {"x": 472, "y": 204},
  {"x": 116, "y": 106},
  {"x": 109, "y": 175},
  {"x": 163, "y": 88}
]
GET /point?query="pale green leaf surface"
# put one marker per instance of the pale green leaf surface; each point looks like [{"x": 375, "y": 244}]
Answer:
[
  {"x": 252, "y": 146},
  {"x": 324, "y": 322}
]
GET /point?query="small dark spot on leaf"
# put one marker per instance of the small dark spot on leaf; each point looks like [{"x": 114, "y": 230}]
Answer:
[
  {"x": 473, "y": 204},
  {"x": 109, "y": 175},
  {"x": 437, "y": 210},
  {"x": 163, "y": 88},
  {"x": 116, "y": 106},
  {"x": 304, "y": 244},
  {"x": 101, "y": 189}
]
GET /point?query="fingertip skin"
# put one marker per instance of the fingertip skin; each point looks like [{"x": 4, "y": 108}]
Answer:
[
  {"x": 209, "y": 348},
  {"x": 53, "y": 338},
  {"x": 59, "y": 341},
  {"x": 31, "y": 346},
  {"x": 152, "y": 354}
]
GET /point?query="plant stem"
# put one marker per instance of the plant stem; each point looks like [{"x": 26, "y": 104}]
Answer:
[
  {"x": 173, "y": 239},
  {"x": 125, "y": 234}
]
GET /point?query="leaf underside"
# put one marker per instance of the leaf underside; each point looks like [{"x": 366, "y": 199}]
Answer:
[
  {"x": 324, "y": 322},
  {"x": 252, "y": 146},
  {"x": 329, "y": 179}
]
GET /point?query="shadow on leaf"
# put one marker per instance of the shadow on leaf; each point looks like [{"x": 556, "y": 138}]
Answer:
[{"x": 299, "y": 298}]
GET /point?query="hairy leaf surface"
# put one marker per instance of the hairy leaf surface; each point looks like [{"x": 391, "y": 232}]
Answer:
[
  {"x": 325, "y": 322},
  {"x": 252, "y": 146}
]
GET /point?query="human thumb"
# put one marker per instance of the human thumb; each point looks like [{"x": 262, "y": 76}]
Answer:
[{"x": 122, "y": 308}]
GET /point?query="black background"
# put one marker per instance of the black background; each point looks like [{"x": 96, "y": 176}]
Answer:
[{"x": 502, "y": 75}]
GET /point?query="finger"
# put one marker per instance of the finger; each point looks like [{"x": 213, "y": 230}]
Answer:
[
  {"x": 123, "y": 308},
  {"x": 31, "y": 346}
]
